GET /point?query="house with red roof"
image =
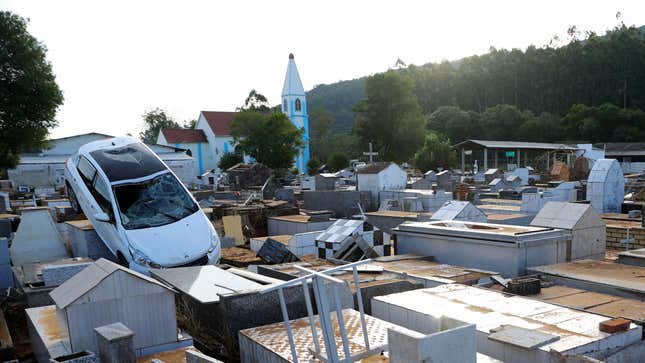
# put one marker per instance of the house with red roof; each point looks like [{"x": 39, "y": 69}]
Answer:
[{"x": 208, "y": 141}]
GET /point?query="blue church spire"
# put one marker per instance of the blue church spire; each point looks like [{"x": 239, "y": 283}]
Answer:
[{"x": 294, "y": 105}]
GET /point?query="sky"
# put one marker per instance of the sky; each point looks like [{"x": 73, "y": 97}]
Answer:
[{"x": 114, "y": 60}]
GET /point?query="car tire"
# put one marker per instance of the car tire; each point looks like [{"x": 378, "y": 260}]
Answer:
[
  {"x": 73, "y": 201},
  {"x": 121, "y": 260}
]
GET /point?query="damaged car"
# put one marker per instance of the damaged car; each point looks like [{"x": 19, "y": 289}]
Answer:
[{"x": 138, "y": 207}]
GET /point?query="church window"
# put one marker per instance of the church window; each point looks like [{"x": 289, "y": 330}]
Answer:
[
  {"x": 284, "y": 105},
  {"x": 298, "y": 105}
]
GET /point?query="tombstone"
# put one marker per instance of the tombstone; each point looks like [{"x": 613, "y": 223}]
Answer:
[
  {"x": 522, "y": 173},
  {"x": 560, "y": 171},
  {"x": 459, "y": 211},
  {"x": 492, "y": 174},
  {"x": 515, "y": 181},
  {"x": 430, "y": 175},
  {"x": 497, "y": 184},
  {"x": 606, "y": 186},
  {"x": 285, "y": 194},
  {"x": 116, "y": 343},
  {"x": 444, "y": 180}
]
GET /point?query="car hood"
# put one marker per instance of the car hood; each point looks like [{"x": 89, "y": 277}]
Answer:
[{"x": 174, "y": 244}]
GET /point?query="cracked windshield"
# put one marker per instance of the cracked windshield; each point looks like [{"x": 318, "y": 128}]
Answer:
[{"x": 153, "y": 203}]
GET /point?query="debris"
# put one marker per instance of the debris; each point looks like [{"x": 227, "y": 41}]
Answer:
[
  {"x": 233, "y": 228},
  {"x": 524, "y": 286},
  {"x": 614, "y": 325},
  {"x": 273, "y": 251}
]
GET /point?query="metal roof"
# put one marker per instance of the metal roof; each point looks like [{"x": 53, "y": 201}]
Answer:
[
  {"x": 90, "y": 277},
  {"x": 489, "y": 144}
]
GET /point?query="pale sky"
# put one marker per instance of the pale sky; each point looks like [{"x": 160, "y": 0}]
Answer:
[{"x": 116, "y": 59}]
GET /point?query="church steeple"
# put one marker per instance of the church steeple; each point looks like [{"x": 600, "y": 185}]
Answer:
[
  {"x": 292, "y": 84},
  {"x": 294, "y": 105}
]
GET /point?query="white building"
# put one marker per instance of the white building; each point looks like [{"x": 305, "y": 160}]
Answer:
[
  {"x": 210, "y": 139},
  {"x": 47, "y": 167},
  {"x": 380, "y": 176}
]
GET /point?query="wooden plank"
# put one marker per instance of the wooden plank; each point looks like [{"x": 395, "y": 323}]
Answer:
[{"x": 233, "y": 228}]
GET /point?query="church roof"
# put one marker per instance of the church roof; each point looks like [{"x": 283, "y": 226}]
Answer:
[
  {"x": 292, "y": 84},
  {"x": 219, "y": 121},
  {"x": 183, "y": 135}
]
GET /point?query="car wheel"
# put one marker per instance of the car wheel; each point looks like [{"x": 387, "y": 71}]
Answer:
[
  {"x": 121, "y": 260},
  {"x": 73, "y": 201}
]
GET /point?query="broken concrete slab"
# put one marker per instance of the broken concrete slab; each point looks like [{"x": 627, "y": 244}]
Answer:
[{"x": 204, "y": 283}]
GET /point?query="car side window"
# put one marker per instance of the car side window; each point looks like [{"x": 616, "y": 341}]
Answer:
[
  {"x": 101, "y": 193},
  {"x": 87, "y": 171}
]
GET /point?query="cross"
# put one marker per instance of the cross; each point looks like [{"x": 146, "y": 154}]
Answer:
[{"x": 370, "y": 153}]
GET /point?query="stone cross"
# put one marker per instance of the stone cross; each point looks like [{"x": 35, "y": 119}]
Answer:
[{"x": 370, "y": 153}]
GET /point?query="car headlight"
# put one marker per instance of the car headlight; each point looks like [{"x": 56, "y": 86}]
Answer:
[
  {"x": 214, "y": 242},
  {"x": 141, "y": 259}
]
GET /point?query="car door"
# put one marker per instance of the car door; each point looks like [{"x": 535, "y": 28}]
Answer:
[
  {"x": 92, "y": 201},
  {"x": 108, "y": 231}
]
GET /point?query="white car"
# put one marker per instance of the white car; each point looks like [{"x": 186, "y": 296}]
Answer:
[{"x": 138, "y": 207}]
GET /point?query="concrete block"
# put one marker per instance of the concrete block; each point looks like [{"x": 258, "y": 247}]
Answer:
[
  {"x": 193, "y": 356},
  {"x": 54, "y": 275},
  {"x": 116, "y": 343},
  {"x": 453, "y": 345}
]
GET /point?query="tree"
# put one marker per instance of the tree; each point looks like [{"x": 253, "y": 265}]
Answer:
[
  {"x": 229, "y": 159},
  {"x": 436, "y": 152},
  {"x": 155, "y": 120},
  {"x": 256, "y": 102},
  {"x": 312, "y": 166},
  {"x": 502, "y": 122},
  {"x": 29, "y": 95},
  {"x": 190, "y": 124},
  {"x": 390, "y": 116},
  {"x": 338, "y": 161},
  {"x": 269, "y": 138}
]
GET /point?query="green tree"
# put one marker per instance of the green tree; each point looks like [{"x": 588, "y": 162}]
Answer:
[
  {"x": 155, "y": 120},
  {"x": 229, "y": 159},
  {"x": 255, "y": 101},
  {"x": 436, "y": 152},
  {"x": 190, "y": 124},
  {"x": 269, "y": 138},
  {"x": 502, "y": 122},
  {"x": 338, "y": 161},
  {"x": 29, "y": 95},
  {"x": 390, "y": 116},
  {"x": 312, "y": 166}
]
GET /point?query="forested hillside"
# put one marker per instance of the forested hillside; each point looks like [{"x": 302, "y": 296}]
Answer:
[{"x": 589, "y": 70}]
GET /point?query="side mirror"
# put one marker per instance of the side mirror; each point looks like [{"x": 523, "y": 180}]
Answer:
[{"x": 102, "y": 217}]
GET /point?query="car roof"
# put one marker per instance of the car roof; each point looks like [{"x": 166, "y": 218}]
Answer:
[{"x": 123, "y": 158}]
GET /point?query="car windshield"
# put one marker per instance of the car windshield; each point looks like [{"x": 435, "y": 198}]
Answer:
[{"x": 153, "y": 203}]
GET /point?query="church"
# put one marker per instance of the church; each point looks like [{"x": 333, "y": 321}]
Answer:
[{"x": 211, "y": 138}]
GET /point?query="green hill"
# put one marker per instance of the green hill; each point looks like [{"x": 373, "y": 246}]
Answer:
[{"x": 592, "y": 71}]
